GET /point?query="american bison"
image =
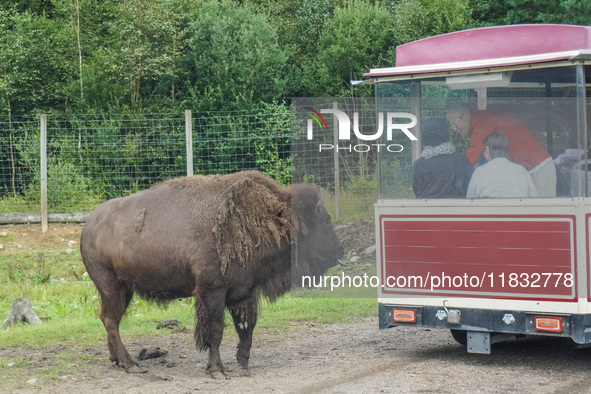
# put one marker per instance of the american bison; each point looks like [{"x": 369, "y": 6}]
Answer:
[{"x": 223, "y": 239}]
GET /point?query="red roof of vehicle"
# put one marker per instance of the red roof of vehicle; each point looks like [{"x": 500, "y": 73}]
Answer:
[{"x": 489, "y": 47}]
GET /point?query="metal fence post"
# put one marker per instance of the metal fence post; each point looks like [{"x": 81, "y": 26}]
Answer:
[
  {"x": 43, "y": 144},
  {"x": 189, "y": 140},
  {"x": 337, "y": 171}
]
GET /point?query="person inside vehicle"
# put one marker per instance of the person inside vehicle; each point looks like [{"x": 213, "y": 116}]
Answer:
[
  {"x": 523, "y": 149},
  {"x": 499, "y": 177},
  {"x": 440, "y": 172}
]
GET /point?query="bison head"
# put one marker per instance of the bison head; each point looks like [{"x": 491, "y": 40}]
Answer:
[
  {"x": 259, "y": 221},
  {"x": 315, "y": 246}
]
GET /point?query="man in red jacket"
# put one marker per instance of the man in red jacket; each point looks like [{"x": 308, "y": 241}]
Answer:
[{"x": 523, "y": 147}]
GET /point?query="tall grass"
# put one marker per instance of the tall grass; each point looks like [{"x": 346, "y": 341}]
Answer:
[
  {"x": 357, "y": 199},
  {"x": 68, "y": 303}
]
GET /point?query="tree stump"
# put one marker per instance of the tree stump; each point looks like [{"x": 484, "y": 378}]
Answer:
[{"x": 21, "y": 310}]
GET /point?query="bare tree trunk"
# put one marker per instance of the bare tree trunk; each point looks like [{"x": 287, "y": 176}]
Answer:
[
  {"x": 79, "y": 46},
  {"x": 21, "y": 310},
  {"x": 137, "y": 77}
]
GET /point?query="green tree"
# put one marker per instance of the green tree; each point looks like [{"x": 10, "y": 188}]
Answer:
[
  {"x": 575, "y": 12},
  {"x": 234, "y": 59},
  {"x": 148, "y": 39},
  {"x": 416, "y": 19},
  {"x": 33, "y": 72},
  {"x": 39, "y": 7},
  {"x": 85, "y": 32},
  {"x": 359, "y": 37},
  {"x": 299, "y": 27}
]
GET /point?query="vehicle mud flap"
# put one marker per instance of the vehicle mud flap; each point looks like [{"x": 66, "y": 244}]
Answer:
[{"x": 478, "y": 342}]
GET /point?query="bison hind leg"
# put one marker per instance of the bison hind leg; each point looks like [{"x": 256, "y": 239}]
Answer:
[{"x": 115, "y": 298}]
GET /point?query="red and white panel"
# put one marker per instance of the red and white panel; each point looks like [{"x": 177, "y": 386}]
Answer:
[{"x": 493, "y": 256}]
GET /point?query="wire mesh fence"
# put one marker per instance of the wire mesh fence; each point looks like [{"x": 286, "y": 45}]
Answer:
[
  {"x": 92, "y": 158},
  {"x": 19, "y": 170}
]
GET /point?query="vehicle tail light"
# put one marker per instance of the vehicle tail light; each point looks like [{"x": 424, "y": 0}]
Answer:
[
  {"x": 404, "y": 315},
  {"x": 548, "y": 324}
]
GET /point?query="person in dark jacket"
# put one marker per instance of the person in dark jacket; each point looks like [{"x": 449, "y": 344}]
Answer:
[{"x": 440, "y": 172}]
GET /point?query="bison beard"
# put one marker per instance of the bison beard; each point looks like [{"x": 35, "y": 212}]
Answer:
[{"x": 223, "y": 239}]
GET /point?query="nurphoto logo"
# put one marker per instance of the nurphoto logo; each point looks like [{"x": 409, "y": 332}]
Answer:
[{"x": 395, "y": 122}]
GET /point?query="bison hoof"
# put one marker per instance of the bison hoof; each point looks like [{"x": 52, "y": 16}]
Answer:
[
  {"x": 218, "y": 375},
  {"x": 135, "y": 369},
  {"x": 242, "y": 360}
]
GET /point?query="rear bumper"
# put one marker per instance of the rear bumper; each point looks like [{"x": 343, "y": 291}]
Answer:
[{"x": 574, "y": 326}]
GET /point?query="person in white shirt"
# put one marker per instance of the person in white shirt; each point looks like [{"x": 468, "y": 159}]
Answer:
[{"x": 499, "y": 177}]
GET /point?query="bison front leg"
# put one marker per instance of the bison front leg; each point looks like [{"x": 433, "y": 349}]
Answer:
[
  {"x": 245, "y": 319},
  {"x": 209, "y": 307}
]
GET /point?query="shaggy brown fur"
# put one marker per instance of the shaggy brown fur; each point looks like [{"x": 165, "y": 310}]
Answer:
[
  {"x": 250, "y": 218},
  {"x": 223, "y": 239}
]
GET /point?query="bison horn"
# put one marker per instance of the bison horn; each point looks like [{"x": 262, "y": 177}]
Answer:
[{"x": 321, "y": 193}]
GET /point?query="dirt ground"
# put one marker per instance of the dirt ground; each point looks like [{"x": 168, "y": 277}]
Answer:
[
  {"x": 351, "y": 357},
  {"x": 333, "y": 358},
  {"x": 30, "y": 238}
]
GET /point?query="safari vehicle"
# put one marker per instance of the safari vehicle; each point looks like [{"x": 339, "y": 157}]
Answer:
[{"x": 492, "y": 267}]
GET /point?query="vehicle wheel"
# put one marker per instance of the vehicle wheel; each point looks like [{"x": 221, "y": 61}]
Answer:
[{"x": 461, "y": 336}]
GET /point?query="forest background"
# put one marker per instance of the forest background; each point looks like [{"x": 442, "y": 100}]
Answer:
[
  {"x": 115, "y": 76},
  {"x": 120, "y": 56}
]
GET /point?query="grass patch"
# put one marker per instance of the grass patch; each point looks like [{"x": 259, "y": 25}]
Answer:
[
  {"x": 69, "y": 320},
  {"x": 18, "y": 204},
  {"x": 70, "y": 315},
  {"x": 51, "y": 275},
  {"x": 322, "y": 310},
  {"x": 68, "y": 303},
  {"x": 353, "y": 207},
  {"x": 13, "y": 373}
]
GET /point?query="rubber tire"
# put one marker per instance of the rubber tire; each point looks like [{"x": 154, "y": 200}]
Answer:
[{"x": 461, "y": 336}]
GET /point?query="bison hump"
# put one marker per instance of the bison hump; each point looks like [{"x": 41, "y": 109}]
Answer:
[{"x": 250, "y": 220}]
